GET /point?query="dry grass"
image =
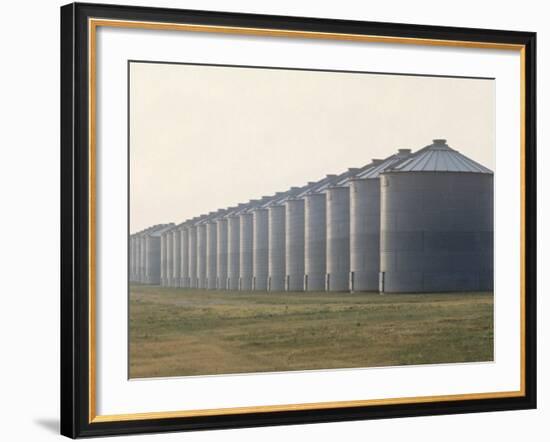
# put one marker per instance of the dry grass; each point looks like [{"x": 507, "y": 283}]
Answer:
[{"x": 178, "y": 332}]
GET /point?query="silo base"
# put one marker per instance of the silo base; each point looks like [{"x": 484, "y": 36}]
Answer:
[
  {"x": 337, "y": 282},
  {"x": 295, "y": 283},
  {"x": 436, "y": 282},
  {"x": 245, "y": 283},
  {"x": 315, "y": 282},
  {"x": 259, "y": 283},
  {"x": 232, "y": 283},
  {"x": 364, "y": 281},
  {"x": 276, "y": 283}
]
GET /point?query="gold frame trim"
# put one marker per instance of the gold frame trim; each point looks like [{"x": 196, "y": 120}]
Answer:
[{"x": 93, "y": 24}]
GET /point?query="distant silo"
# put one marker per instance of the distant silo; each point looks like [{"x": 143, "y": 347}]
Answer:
[
  {"x": 294, "y": 246},
  {"x": 260, "y": 252},
  {"x": 150, "y": 241},
  {"x": 315, "y": 267},
  {"x": 211, "y": 254},
  {"x": 169, "y": 259},
  {"x": 132, "y": 258},
  {"x": 141, "y": 257},
  {"x": 315, "y": 233},
  {"x": 176, "y": 257},
  {"x": 364, "y": 234},
  {"x": 149, "y": 260},
  {"x": 184, "y": 247},
  {"x": 233, "y": 252},
  {"x": 221, "y": 253},
  {"x": 365, "y": 223},
  {"x": 436, "y": 223},
  {"x": 152, "y": 261},
  {"x": 192, "y": 255},
  {"x": 276, "y": 280},
  {"x": 137, "y": 252},
  {"x": 135, "y": 257},
  {"x": 163, "y": 259},
  {"x": 201, "y": 256},
  {"x": 276, "y": 264},
  {"x": 338, "y": 238},
  {"x": 246, "y": 235}
]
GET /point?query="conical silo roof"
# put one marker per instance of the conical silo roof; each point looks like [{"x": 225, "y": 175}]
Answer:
[
  {"x": 438, "y": 157},
  {"x": 156, "y": 230},
  {"x": 379, "y": 166}
]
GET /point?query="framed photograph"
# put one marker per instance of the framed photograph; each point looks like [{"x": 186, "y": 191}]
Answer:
[{"x": 273, "y": 220}]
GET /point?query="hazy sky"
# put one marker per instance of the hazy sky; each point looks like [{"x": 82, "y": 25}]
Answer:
[{"x": 206, "y": 137}]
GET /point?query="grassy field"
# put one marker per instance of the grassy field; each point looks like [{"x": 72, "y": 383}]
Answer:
[{"x": 178, "y": 332}]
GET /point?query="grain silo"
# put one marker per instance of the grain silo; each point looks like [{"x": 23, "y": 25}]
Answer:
[
  {"x": 246, "y": 234},
  {"x": 141, "y": 257},
  {"x": 295, "y": 238},
  {"x": 151, "y": 253},
  {"x": 294, "y": 247},
  {"x": 247, "y": 238},
  {"x": 315, "y": 235},
  {"x": 176, "y": 256},
  {"x": 221, "y": 252},
  {"x": 165, "y": 239},
  {"x": 260, "y": 241},
  {"x": 260, "y": 251},
  {"x": 211, "y": 253},
  {"x": 338, "y": 221},
  {"x": 143, "y": 254},
  {"x": 192, "y": 254},
  {"x": 184, "y": 247},
  {"x": 436, "y": 223},
  {"x": 135, "y": 241},
  {"x": 277, "y": 241},
  {"x": 201, "y": 255},
  {"x": 169, "y": 258},
  {"x": 276, "y": 263},
  {"x": 163, "y": 260},
  {"x": 131, "y": 257},
  {"x": 315, "y": 242},
  {"x": 365, "y": 223},
  {"x": 134, "y": 253},
  {"x": 233, "y": 248}
]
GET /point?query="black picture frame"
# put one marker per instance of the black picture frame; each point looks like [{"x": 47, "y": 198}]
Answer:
[{"x": 75, "y": 220}]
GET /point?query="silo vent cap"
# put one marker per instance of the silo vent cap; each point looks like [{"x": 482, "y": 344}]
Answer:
[
  {"x": 439, "y": 144},
  {"x": 404, "y": 151}
]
